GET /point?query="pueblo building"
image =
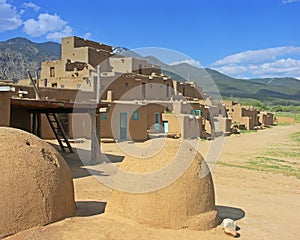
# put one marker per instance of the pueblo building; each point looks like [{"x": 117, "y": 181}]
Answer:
[
  {"x": 247, "y": 116},
  {"x": 141, "y": 98}
]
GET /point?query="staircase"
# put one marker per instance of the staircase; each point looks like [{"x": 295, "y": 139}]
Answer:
[{"x": 58, "y": 131}]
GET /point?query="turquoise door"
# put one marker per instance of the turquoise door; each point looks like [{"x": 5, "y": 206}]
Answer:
[
  {"x": 157, "y": 122},
  {"x": 166, "y": 127},
  {"x": 123, "y": 129}
]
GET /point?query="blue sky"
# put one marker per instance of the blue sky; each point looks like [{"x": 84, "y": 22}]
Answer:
[{"x": 241, "y": 38}]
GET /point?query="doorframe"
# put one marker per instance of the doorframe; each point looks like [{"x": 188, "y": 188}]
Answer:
[
  {"x": 126, "y": 123},
  {"x": 159, "y": 129}
]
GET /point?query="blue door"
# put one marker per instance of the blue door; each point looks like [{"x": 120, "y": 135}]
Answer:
[
  {"x": 157, "y": 122},
  {"x": 166, "y": 127},
  {"x": 123, "y": 126}
]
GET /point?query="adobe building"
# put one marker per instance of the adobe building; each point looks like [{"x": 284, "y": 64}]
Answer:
[
  {"x": 120, "y": 79},
  {"x": 249, "y": 116},
  {"x": 266, "y": 119},
  {"x": 32, "y": 115}
]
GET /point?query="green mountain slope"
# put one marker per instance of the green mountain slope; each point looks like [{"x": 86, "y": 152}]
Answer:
[{"x": 277, "y": 91}]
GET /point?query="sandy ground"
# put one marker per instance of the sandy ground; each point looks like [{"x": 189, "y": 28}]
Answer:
[{"x": 265, "y": 205}]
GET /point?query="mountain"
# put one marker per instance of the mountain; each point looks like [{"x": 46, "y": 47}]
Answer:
[
  {"x": 18, "y": 55},
  {"x": 281, "y": 82},
  {"x": 281, "y": 91}
]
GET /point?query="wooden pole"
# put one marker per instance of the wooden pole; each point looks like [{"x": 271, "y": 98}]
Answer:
[{"x": 95, "y": 140}]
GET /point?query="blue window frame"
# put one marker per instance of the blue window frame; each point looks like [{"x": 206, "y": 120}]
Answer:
[
  {"x": 196, "y": 112},
  {"x": 135, "y": 115},
  {"x": 103, "y": 116}
]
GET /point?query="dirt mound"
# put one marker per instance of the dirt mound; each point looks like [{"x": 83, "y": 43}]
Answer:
[
  {"x": 36, "y": 183},
  {"x": 188, "y": 202}
]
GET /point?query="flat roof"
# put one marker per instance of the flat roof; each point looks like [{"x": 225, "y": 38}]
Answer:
[{"x": 52, "y": 106}]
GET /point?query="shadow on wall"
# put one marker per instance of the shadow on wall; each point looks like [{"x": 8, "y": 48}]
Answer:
[
  {"x": 89, "y": 208},
  {"x": 230, "y": 212}
]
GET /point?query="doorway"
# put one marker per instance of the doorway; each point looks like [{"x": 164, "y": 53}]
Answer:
[
  {"x": 123, "y": 126},
  {"x": 157, "y": 122}
]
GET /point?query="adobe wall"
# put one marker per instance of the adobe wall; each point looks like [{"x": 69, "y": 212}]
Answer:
[
  {"x": 20, "y": 118},
  {"x": 174, "y": 125},
  {"x": 266, "y": 118},
  {"x": 248, "y": 122},
  {"x": 80, "y": 42},
  {"x": 151, "y": 109},
  {"x": 191, "y": 127},
  {"x": 224, "y": 124},
  {"x": 5, "y": 108},
  {"x": 137, "y": 129},
  {"x": 80, "y": 125},
  {"x": 285, "y": 120},
  {"x": 183, "y": 125},
  {"x": 187, "y": 89},
  {"x": 90, "y": 52},
  {"x": 65, "y": 76},
  {"x": 130, "y": 87}
]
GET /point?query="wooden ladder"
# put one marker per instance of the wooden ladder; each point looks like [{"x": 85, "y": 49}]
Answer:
[{"x": 58, "y": 131}]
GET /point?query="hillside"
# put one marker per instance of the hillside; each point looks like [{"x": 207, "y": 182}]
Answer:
[
  {"x": 18, "y": 55},
  {"x": 281, "y": 91}
]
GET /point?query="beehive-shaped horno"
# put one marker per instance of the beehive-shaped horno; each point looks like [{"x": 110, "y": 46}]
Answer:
[
  {"x": 36, "y": 186},
  {"x": 187, "y": 202}
]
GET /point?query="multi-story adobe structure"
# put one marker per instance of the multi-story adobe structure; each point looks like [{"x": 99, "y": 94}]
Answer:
[
  {"x": 247, "y": 115},
  {"x": 137, "y": 91}
]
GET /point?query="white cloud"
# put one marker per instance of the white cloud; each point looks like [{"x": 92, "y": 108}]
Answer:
[
  {"x": 32, "y": 5},
  {"x": 46, "y": 24},
  {"x": 87, "y": 35},
  {"x": 188, "y": 61},
  {"x": 271, "y": 62},
  {"x": 257, "y": 56},
  {"x": 9, "y": 18},
  {"x": 66, "y": 32},
  {"x": 289, "y": 1}
]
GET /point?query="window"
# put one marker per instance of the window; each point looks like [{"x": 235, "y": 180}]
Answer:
[
  {"x": 140, "y": 68},
  {"x": 135, "y": 115},
  {"x": 78, "y": 86},
  {"x": 144, "y": 90},
  {"x": 45, "y": 82},
  {"x": 103, "y": 116},
  {"x": 167, "y": 90},
  {"x": 54, "y": 85},
  {"x": 62, "y": 86},
  {"x": 196, "y": 112},
  {"x": 52, "y": 71},
  {"x": 126, "y": 85}
]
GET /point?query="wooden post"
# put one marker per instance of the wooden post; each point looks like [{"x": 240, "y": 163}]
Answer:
[{"x": 95, "y": 140}]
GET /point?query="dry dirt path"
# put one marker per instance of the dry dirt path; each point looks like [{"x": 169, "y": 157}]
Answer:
[{"x": 264, "y": 204}]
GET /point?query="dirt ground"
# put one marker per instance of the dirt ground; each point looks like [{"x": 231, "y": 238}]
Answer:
[{"x": 265, "y": 204}]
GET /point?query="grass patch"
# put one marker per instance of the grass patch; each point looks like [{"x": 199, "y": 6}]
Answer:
[
  {"x": 275, "y": 166},
  {"x": 270, "y": 159},
  {"x": 283, "y": 159},
  {"x": 268, "y": 164},
  {"x": 284, "y": 154},
  {"x": 284, "y": 124},
  {"x": 295, "y": 136},
  {"x": 247, "y": 131}
]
